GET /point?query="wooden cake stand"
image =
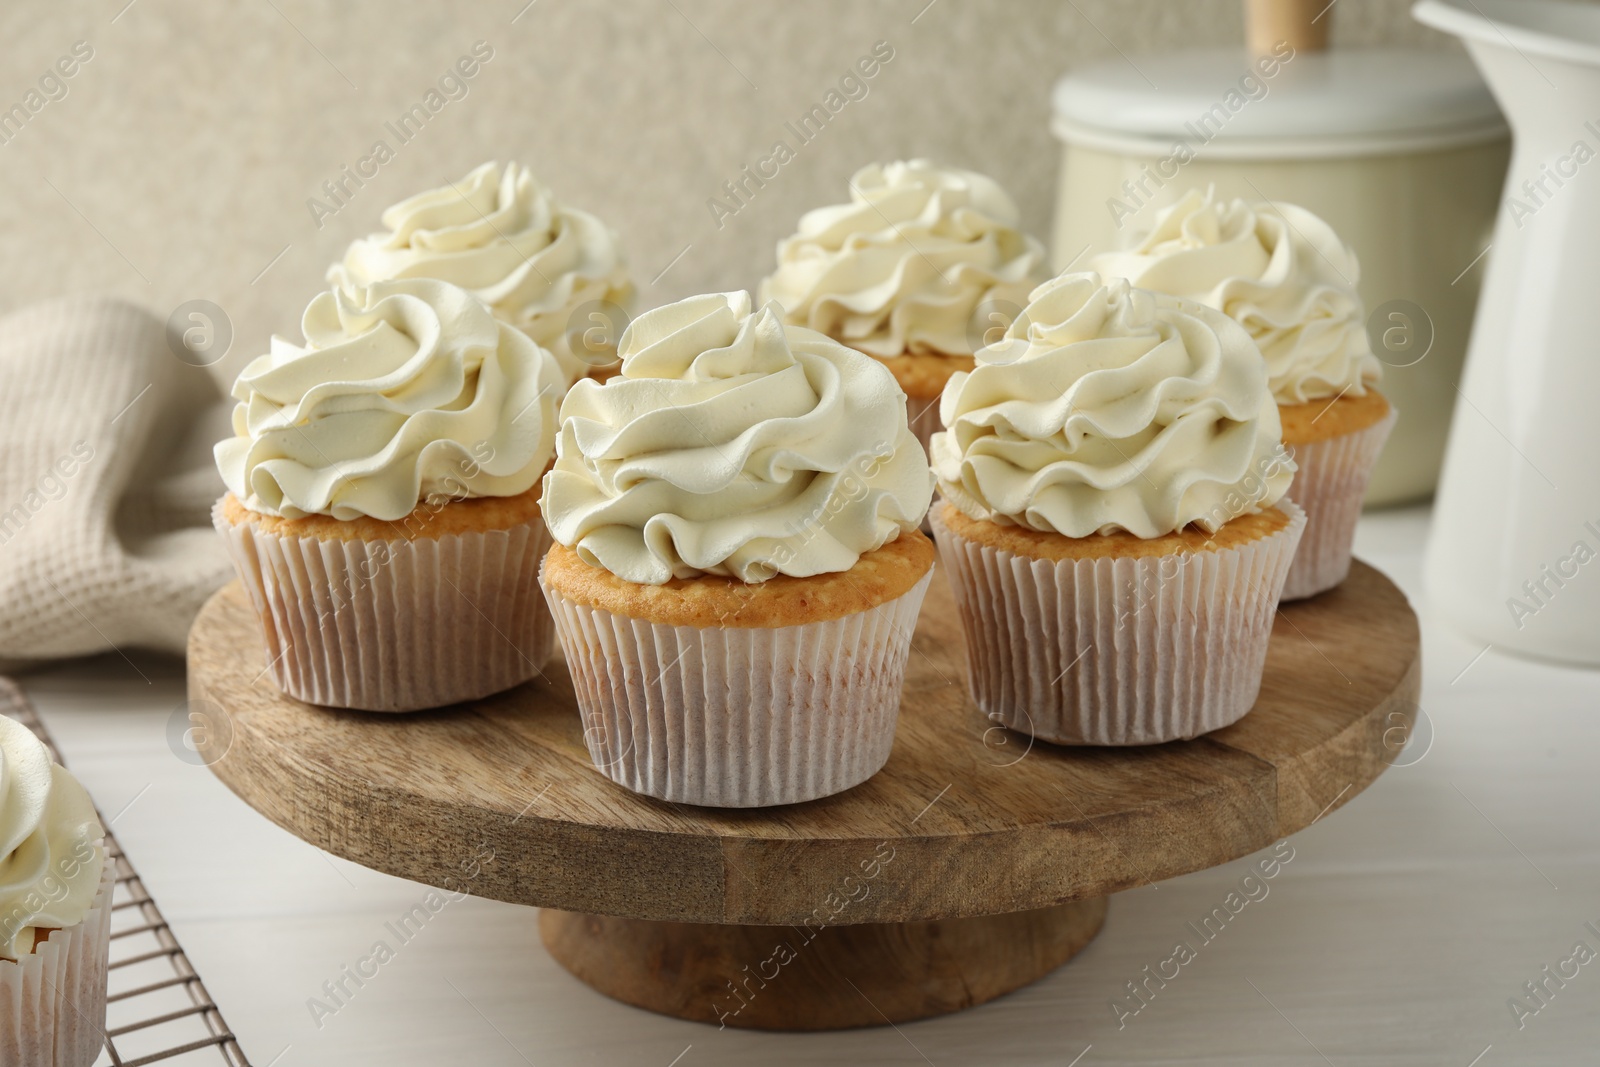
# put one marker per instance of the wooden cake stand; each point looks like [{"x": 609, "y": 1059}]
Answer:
[{"x": 974, "y": 863}]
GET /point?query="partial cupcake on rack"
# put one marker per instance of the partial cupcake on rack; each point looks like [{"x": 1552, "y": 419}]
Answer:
[
  {"x": 1114, "y": 523},
  {"x": 1286, "y": 277},
  {"x": 738, "y": 566},
  {"x": 383, "y": 499},
  {"x": 554, "y": 272},
  {"x": 924, "y": 266},
  {"x": 55, "y": 910}
]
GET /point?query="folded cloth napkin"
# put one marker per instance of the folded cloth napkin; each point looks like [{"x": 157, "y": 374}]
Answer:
[{"x": 106, "y": 483}]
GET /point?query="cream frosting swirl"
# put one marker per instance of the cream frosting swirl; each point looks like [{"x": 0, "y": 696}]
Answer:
[
  {"x": 1275, "y": 268},
  {"x": 921, "y": 260},
  {"x": 552, "y": 271},
  {"x": 1111, "y": 408},
  {"x": 733, "y": 445},
  {"x": 51, "y": 856},
  {"x": 406, "y": 391}
]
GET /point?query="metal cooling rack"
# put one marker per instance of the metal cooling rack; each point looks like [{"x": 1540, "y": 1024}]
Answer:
[{"x": 157, "y": 1008}]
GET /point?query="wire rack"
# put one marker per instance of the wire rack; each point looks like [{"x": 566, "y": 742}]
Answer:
[{"x": 157, "y": 1008}]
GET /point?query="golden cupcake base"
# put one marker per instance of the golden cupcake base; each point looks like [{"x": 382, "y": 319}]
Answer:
[
  {"x": 1322, "y": 420},
  {"x": 878, "y": 577}
]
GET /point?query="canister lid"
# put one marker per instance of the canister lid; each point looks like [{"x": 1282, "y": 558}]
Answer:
[{"x": 1339, "y": 102}]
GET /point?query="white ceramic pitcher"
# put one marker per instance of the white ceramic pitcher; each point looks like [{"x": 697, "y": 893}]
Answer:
[{"x": 1514, "y": 557}]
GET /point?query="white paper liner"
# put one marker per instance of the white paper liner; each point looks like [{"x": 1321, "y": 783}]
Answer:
[
  {"x": 397, "y": 625},
  {"x": 53, "y": 1001},
  {"x": 739, "y": 717},
  {"x": 1330, "y": 485},
  {"x": 1117, "y": 651}
]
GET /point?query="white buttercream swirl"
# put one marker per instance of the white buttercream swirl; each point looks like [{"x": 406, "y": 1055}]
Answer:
[
  {"x": 921, "y": 260},
  {"x": 1275, "y": 268},
  {"x": 1110, "y": 408},
  {"x": 405, "y": 391},
  {"x": 504, "y": 237},
  {"x": 733, "y": 445},
  {"x": 51, "y": 856}
]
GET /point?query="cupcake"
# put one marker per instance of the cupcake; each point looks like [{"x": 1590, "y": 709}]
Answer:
[
  {"x": 923, "y": 267},
  {"x": 737, "y": 567},
  {"x": 552, "y": 271},
  {"x": 1114, "y": 524},
  {"x": 383, "y": 502},
  {"x": 55, "y": 910},
  {"x": 1284, "y": 275}
]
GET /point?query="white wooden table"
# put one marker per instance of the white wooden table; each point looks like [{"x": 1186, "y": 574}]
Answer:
[{"x": 1397, "y": 934}]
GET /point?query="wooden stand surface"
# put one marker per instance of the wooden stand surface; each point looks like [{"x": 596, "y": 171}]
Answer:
[{"x": 975, "y": 862}]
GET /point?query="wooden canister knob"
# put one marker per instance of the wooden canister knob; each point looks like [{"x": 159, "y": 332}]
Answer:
[{"x": 1302, "y": 23}]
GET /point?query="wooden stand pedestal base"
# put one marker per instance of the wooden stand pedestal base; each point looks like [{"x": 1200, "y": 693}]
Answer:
[{"x": 802, "y": 978}]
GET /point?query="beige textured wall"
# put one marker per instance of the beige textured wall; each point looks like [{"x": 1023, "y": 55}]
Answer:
[{"x": 179, "y": 162}]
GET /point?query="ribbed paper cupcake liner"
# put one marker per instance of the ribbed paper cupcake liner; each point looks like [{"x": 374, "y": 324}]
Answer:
[
  {"x": 1330, "y": 484},
  {"x": 53, "y": 1001},
  {"x": 739, "y": 717},
  {"x": 1117, "y": 651},
  {"x": 397, "y": 625}
]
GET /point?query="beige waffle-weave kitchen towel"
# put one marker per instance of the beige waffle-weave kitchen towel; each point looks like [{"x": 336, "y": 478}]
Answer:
[{"x": 106, "y": 483}]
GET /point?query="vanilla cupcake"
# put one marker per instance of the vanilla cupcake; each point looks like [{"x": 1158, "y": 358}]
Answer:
[
  {"x": 1109, "y": 478},
  {"x": 552, "y": 271},
  {"x": 921, "y": 268},
  {"x": 383, "y": 509},
  {"x": 55, "y": 910},
  {"x": 737, "y": 568},
  {"x": 1283, "y": 274}
]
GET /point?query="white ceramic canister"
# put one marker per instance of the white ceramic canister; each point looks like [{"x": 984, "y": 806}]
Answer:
[{"x": 1401, "y": 151}]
